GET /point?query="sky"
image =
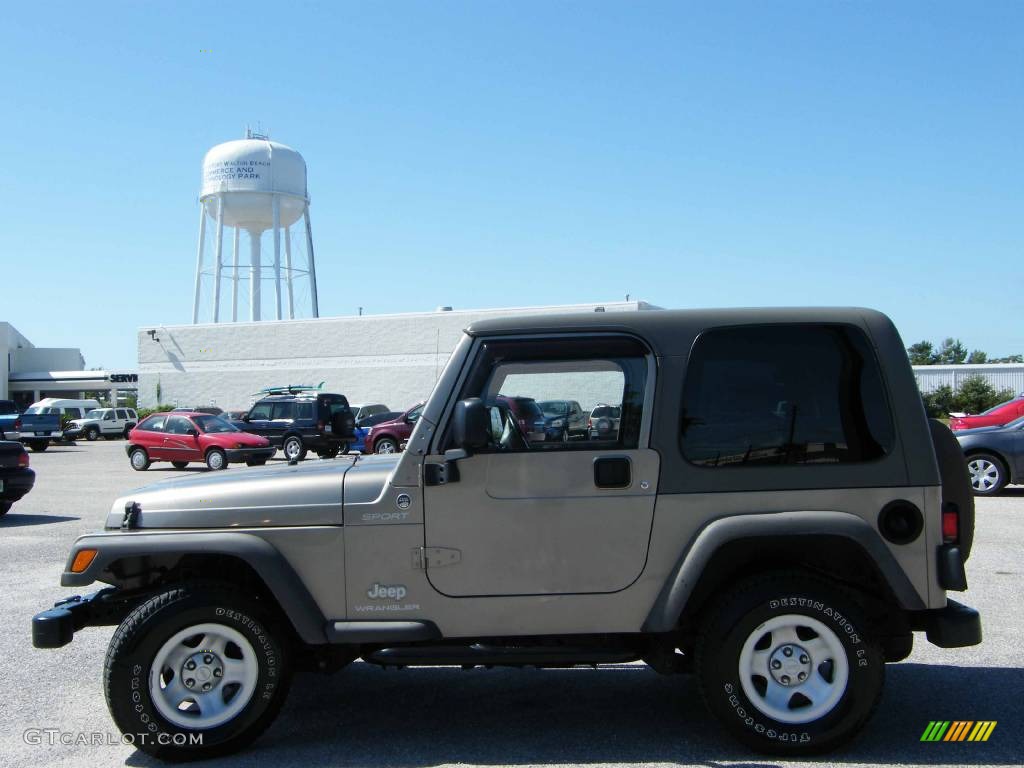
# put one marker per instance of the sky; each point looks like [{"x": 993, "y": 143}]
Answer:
[{"x": 489, "y": 154}]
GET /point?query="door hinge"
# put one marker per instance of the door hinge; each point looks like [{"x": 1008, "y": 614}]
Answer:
[
  {"x": 434, "y": 557},
  {"x": 441, "y": 473}
]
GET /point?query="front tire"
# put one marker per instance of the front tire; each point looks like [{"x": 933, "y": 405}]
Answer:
[
  {"x": 196, "y": 672},
  {"x": 787, "y": 665},
  {"x": 179, "y": 464},
  {"x": 216, "y": 459},
  {"x": 294, "y": 448},
  {"x": 139, "y": 459},
  {"x": 386, "y": 445},
  {"x": 988, "y": 474},
  {"x": 92, "y": 434}
]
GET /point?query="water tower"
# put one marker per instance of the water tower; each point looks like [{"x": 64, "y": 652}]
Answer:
[{"x": 252, "y": 187}]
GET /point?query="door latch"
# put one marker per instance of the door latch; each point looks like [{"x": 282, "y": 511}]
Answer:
[{"x": 434, "y": 557}]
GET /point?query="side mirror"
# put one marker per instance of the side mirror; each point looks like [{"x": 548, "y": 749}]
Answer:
[
  {"x": 194, "y": 432},
  {"x": 471, "y": 427},
  {"x": 245, "y": 418}
]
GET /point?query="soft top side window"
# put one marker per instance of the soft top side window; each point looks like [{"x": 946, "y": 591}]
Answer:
[{"x": 783, "y": 395}]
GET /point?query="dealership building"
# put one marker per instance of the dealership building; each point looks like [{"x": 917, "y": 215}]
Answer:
[{"x": 390, "y": 359}]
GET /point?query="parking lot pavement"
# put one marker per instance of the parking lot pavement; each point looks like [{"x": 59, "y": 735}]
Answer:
[{"x": 365, "y": 716}]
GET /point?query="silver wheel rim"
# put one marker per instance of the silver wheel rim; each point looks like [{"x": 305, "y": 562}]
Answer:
[
  {"x": 216, "y": 460},
  {"x": 203, "y": 676},
  {"x": 385, "y": 446},
  {"x": 984, "y": 474},
  {"x": 292, "y": 449},
  {"x": 794, "y": 669},
  {"x": 138, "y": 459}
]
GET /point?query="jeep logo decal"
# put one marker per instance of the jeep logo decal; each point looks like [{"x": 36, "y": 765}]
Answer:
[{"x": 386, "y": 592}]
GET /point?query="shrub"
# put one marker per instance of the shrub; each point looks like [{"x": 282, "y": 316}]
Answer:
[
  {"x": 940, "y": 402},
  {"x": 144, "y": 412},
  {"x": 976, "y": 394}
]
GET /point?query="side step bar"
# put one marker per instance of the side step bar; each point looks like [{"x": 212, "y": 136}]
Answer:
[{"x": 480, "y": 655}]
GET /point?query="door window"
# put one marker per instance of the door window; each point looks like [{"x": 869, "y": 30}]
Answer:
[
  {"x": 282, "y": 411},
  {"x": 260, "y": 412},
  {"x": 179, "y": 425},
  {"x": 122, "y": 413},
  {"x": 514, "y": 378},
  {"x": 154, "y": 424}
]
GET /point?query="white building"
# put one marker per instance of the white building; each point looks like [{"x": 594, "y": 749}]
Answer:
[
  {"x": 20, "y": 359},
  {"x": 999, "y": 375},
  {"x": 390, "y": 359}
]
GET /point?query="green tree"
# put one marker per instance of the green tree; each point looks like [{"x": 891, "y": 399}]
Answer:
[
  {"x": 940, "y": 401},
  {"x": 920, "y": 353},
  {"x": 952, "y": 352},
  {"x": 976, "y": 395},
  {"x": 977, "y": 356}
]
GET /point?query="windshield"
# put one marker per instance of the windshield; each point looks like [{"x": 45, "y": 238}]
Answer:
[
  {"x": 554, "y": 407},
  {"x": 94, "y": 414},
  {"x": 608, "y": 411},
  {"x": 995, "y": 408},
  {"x": 213, "y": 424},
  {"x": 35, "y": 409}
]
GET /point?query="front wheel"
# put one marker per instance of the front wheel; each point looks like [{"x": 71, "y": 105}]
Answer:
[
  {"x": 92, "y": 434},
  {"x": 294, "y": 449},
  {"x": 386, "y": 445},
  {"x": 196, "y": 672},
  {"x": 179, "y": 464},
  {"x": 139, "y": 459},
  {"x": 216, "y": 459},
  {"x": 787, "y": 665},
  {"x": 988, "y": 474}
]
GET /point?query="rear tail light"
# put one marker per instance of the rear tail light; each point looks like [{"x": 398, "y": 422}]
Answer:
[
  {"x": 17, "y": 425},
  {"x": 23, "y": 460},
  {"x": 320, "y": 425},
  {"x": 950, "y": 523}
]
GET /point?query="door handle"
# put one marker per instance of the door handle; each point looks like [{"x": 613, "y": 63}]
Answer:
[{"x": 613, "y": 472}]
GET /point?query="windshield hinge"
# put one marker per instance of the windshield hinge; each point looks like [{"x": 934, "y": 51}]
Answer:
[{"x": 131, "y": 515}]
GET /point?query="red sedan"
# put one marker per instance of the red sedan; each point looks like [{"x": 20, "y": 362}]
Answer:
[
  {"x": 184, "y": 437},
  {"x": 997, "y": 416}
]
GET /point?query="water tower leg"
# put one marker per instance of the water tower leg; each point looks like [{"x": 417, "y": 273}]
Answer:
[
  {"x": 234, "y": 279},
  {"x": 199, "y": 261},
  {"x": 218, "y": 261},
  {"x": 276, "y": 208},
  {"x": 312, "y": 267},
  {"x": 254, "y": 275},
  {"x": 288, "y": 270}
]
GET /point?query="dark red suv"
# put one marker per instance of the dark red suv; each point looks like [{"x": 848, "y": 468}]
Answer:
[{"x": 388, "y": 436}]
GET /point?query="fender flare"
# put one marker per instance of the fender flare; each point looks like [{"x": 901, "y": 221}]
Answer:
[
  {"x": 671, "y": 601},
  {"x": 269, "y": 564}
]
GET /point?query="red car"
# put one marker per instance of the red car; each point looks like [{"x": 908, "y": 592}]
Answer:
[
  {"x": 184, "y": 437},
  {"x": 388, "y": 436},
  {"x": 997, "y": 416}
]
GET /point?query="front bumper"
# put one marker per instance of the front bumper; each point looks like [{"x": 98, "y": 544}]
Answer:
[
  {"x": 56, "y": 627},
  {"x": 955, "y": 626},
  {"x": 248, "y": 454},
  {"x": 16, "y": 483}
]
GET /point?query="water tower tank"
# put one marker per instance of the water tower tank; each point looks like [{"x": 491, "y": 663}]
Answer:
[{"x": 249, "y": 187}]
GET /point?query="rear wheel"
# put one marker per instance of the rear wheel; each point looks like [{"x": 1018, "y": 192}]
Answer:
[
  {"x": 196, "y": 661},
  {"x": 139, "y": 459},
  {"x": 216, "y": 459},
  {"x": 5, "y": 507},
  {"x": 294, "y": 449},
  {"x": 255, "y": 462},
  {"x": 787, "y": 665},
  {"x": 39, "y": 445},
  {"x": 386, "y": 445},
  {"x": 179, "y": 464},
  {"x": 329, "y": 453},
  {"x": 988, "y": 474}
]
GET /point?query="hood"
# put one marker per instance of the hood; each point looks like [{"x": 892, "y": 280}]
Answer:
[
  {"x": 979, "y": 430},
  {"x": 368, "y": 478},
  {"x": 308, "y": 493}
]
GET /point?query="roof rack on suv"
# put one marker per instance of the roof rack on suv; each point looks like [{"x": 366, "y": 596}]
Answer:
[{"x": 291, "y": 389}]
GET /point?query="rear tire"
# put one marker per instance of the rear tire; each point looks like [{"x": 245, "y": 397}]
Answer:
[
  {"x": 787, "y": 665},
  {"x": 39, "y": 445},
  {"x": 179, "y": 464},
  {"x": 5, "y": 507},
  {"x": 255, "y": 462},
  {"x": 988, "y": 474},
  {"x": 229, "y": 642},
  {"x": 216, "y": 459},
  {"x": 139, "y": 459}
]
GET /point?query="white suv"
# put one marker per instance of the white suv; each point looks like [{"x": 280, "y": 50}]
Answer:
[{"x": 103, "y": 422}]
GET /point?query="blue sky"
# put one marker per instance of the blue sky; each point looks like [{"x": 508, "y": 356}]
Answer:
[{"x": 505, "y": 154}]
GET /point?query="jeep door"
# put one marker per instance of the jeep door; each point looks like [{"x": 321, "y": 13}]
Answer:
[{"x": 552, "y": 517}]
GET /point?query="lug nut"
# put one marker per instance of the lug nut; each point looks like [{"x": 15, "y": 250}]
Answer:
[
  {"x": 802, "y": 676},
  {"x": 207, "y": 659},
  {"x": 803, "y": 658},
  {"x": 785, "y": 679},
  {"x": 787, "y": 651},
  {"x": 218, "y": 672},
  {"x": 776, "y": 664},
  {"x": 190, "y": 664},
  {"x": 206, "y": 686},
  {"x": 189, "y": 682}
]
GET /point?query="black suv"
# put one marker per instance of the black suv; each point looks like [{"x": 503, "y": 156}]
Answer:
[{"x": 302, "y": 421}]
